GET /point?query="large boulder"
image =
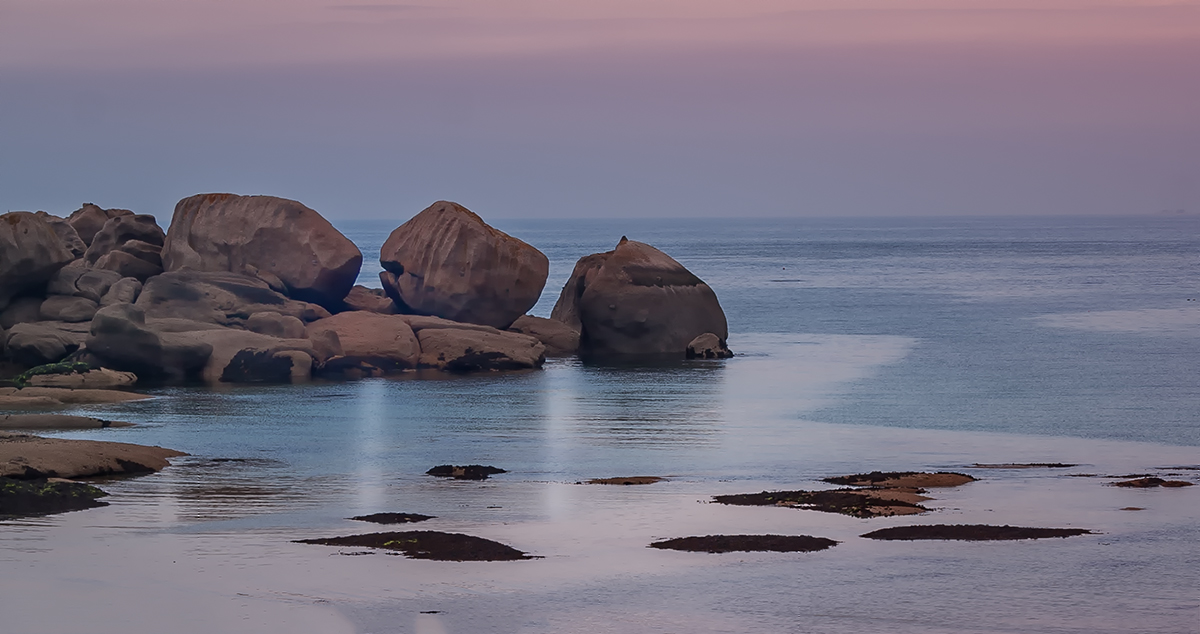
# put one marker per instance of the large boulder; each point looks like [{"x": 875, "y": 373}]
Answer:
[
  {"x": 122, "y": 291},
  {"x": 22, "y": 310},
  {"x": 459, "y": 350},
  {"x": 222, "y": 298},
  {"x": 637, "y": 300},
  {"x": 122, "y": 340},
  {"x": 122, "y": 229},
  {"x": 30, "y": 253},
  {"x": 65, "y": 232},
  {"x": 89, "y": 219},
  {"x": 241, "y": 356},
  {"x": 560, "y": 339},
  {"x": 375, "y": 343},
  {"x": 67, "y": 308},
  {"x": 448, "y": 262},
  {"x": 278, "y": 240},
  {"x": 33, "y": 344}
]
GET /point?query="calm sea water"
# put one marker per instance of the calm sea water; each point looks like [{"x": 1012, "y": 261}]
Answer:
[{"x": 862, "y": 344}]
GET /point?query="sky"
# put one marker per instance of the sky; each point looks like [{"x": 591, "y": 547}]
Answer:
[{"x": 620, "y": 108}]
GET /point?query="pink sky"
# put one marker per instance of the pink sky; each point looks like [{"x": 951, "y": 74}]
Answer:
[{"x": 540, "y": 108}]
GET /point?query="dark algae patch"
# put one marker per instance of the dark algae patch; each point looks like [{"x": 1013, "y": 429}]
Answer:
[
  {"x": 747, "y": 543},
  {"x": 853, "y": 502},
  {"x": 433, "y": 545},
  {"x": 467, "y": 472},
  {"x": 1152, "y": 482},
  {"x": 393, "y": 518},
  {"x": 971, "y": 532},
  {"x": 24, "y": 498}
]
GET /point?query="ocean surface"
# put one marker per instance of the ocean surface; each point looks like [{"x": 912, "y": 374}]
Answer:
[{"x": 863, "y": 344}]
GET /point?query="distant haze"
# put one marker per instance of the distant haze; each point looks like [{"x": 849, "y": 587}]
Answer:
[{"x": 666, "y": 108}]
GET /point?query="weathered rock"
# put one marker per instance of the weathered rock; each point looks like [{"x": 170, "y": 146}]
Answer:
[
  {"x": 326, "y": 344},
  {"x": 30, "y": 253},
  {"x": 560, "y": 340},
  {"x": 241, "y": 356},
  {"x": 65, "y": 232},
  {"x": 89, "y": 219},
  {"x": 424, "y": 322},
  {"x": 121, "y": 338},
  {"x": 276, "y": 325},
  {"x": 708, "y": 346},
  {"x": 264, "y": 235},
  {"x": 67, "y": 308},
  {"x": 123, "y": 291},
  {"x": 371, "y": 300},
  {"x": 636, "y": 300},
  {"x": 127, "y": 265},
  {"x": 78, "y": 280},
  {"x": 385, "y": 342},
  {"x": 228, "y": 299},
  {"x": 151, "y": 253},
  {"x": 448, "y": 262},
  {"x": 96, "y": 379},
  {"x": 456, "y": 350},
  {"x": 27, "y": 457},
  {"x": 122, "y": 229},
  {"x": 22, "y": 310},
  {"x": 32, "y": 344}
]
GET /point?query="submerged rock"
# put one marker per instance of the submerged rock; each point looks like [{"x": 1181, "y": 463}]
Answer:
[
  {"x": 637, "y": 300},
  {"x": 747, "y": 543},
  {"x": 708, "y": 346},
  {"x": 468, "y": 472},
  {"x": 393, "y": 518},
  {"x": 971, "y": 532},
  {"x": 278, "y": 240},
  {"x": 433, "y": 545},
  {"x": 26, "y": 498},
  {"x": 446, "y": 261}
]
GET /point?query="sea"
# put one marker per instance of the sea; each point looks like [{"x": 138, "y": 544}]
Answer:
[{"x": 861, "y": 344}]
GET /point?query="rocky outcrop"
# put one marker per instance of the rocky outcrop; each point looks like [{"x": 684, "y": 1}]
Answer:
[
  {"x": 637, "y": 300},
  {"x": 89, "y": 219},
  {"x": 23, "y": 457},
  {"x": 371, "y": 343},
  {"x": 458, "y": 350},
  {"x": 372, "y": 300},
  {"x": 276, "y": 325},
  {"x": 226, "y": 299},
  {"x": 30, "y": 254},
  {"x": 448, "y": 262},
  {"x": 560, "y": 339},
  {"x": 95, "y": 379},
  {"x": 278, "y": 240},
  {"x": 78, "y": 280},
  {"x": 130, "y": 245},
  {"x": 120, "y": 338}
]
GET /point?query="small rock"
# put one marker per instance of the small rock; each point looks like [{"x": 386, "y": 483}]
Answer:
[{"x": 468, "y": 472}]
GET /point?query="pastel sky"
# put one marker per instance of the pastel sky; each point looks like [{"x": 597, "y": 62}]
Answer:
[{"x": 539, "y": 108}]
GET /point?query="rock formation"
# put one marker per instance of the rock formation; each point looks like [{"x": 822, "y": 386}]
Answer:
[
  {"x": 30, "y": 254},
  {"x": 560, "y": 339},
  {"x": 89, "y": 219},
  {"x": 449, "y": 263},
  {"x": 637, "y": 300},
  {"x": 281, "y": 241}
]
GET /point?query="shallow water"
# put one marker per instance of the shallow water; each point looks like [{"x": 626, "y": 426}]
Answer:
[{"x": 905, "y": 345}]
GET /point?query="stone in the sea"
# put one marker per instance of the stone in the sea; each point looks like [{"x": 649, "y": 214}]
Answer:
[
  {"x": 560, "y": 339},
  {"x": 279, "y": 240},
  {"x": 429, "y": 545},
  {"x": 747, "y": 543},
  {"x": 708, "y": 346},
  {"x": 393, "y": 518},
  {"x": 971, "y": 532},
  {"x": 465, "y": 472},
  {"x": 637, "y": 300},
  {"x": 30, "y": 254},
  {"x": 459, "y": 350},
  {"x": 446, "y": 261}
]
